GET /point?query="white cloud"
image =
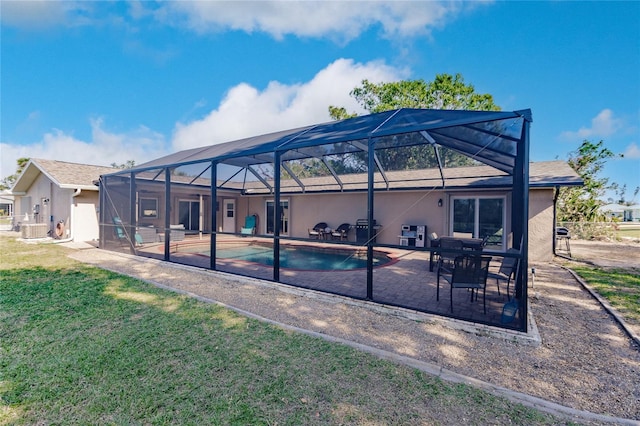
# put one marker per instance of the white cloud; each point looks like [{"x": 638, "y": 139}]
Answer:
[
  {"x": 602, "y": 125},
  {"x": 141, "y": 144},
  {"x": 45, "y": 14},
  {"x": 340, "y": 20},
  {"x": 245, "y": 111},
  {"x": 632, "y": 151}
]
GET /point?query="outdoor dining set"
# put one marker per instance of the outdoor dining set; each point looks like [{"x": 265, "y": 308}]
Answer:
[{"x": 462, "y": 264}]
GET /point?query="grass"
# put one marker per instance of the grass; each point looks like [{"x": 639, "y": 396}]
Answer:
[
  {"x": 628, "y": 233},
  {"x": 621, "y": 288},
  {"x": 80, "y": 345}
]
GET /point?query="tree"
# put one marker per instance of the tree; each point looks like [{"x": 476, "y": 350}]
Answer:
[
  {"x": 128, "y": 165},
  {"x": 444, "y": 92},
  {"x": 621, "y": 192},
  {"x": 581, "y": 204},
  {"x": 10, "y": 180}
]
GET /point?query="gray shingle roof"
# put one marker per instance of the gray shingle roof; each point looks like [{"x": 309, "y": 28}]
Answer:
[
  {"x": 543, "y": 174},
  {"x": 62, "y": 173}
]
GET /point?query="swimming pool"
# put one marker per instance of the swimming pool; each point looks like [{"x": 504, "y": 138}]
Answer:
[{"x": 305, "y": 258}]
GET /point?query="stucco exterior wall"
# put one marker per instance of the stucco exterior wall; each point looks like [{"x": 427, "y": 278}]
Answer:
[
  {"x": 393, "y": 209},
  {"x": 57, "y": 207},
  {"x": 541, "y": 226}
]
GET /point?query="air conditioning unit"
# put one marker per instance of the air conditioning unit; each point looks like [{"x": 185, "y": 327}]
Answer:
[{"x": 34, "y": 230}]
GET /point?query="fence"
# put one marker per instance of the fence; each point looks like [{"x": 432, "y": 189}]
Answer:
[{"x": 612, "y": 231}]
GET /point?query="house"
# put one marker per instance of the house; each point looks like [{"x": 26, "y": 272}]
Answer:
[
  {"x": 6, "y": 211},
  {"x": 632, "y": 213},
  {"x": 59, "y": 199},
  {"x": 321, "y": 201},
  {"x": 621, "y": 212},
  {"x": 612, "y": 211}
]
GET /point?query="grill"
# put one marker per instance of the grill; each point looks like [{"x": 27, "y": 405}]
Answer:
[{"x": 362, "y": 231}]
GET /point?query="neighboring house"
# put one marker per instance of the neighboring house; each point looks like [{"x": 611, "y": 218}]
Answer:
[
  {"x": 622, "y": 212},
  {"x": 59, "y": 196},
  {"x": 632, "y": 213},
  {"x": 6, "y": 204},
  {"x": 613, "y": 211},
  {"x": 6, "y": 211}
]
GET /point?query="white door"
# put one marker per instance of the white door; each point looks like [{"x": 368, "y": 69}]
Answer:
[{"x": 229, "y": 215}]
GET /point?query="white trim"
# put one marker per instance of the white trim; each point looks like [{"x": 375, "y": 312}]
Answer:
[
  {"x": 476, "y": 218},
  {"x": 287, "y": 216}
]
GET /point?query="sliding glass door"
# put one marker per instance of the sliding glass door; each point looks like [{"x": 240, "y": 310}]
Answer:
[
  {"x": 479, "y": 217},
  {"x": 189, "y": 215},
  {"x": 284, "y": 217}
]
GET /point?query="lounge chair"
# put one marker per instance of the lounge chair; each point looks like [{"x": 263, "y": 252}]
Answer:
[
  {"x": 121, "y": 233},
  {"x": 249, "y": 227},
  {"x": 341, "y": 232},
  {"x": 317, "y": 231}
]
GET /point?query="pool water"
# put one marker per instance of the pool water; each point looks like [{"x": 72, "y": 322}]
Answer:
[{"x": 301, "y": 258}]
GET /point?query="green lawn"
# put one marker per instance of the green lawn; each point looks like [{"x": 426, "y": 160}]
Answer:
[
  {"x": 628, "y": 232},
  {"x": 621, "y": 288},
  {"x": 80, "y": 345}
]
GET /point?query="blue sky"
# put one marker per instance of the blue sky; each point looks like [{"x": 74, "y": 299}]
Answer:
[{"x": 103, "y": 82}]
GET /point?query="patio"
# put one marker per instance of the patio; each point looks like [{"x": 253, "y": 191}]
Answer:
[{"x": 405, "y": 281}]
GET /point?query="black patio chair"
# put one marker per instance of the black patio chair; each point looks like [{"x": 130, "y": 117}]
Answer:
[
  {"x": 317, "y": 231},
  {"x": 507, "y": 270},
  {"x": 446, "y": 259},
  {"x": 470, "y": 272},
  {"x": 445, "y": 256},
  {"x": 341, "y": 232}
]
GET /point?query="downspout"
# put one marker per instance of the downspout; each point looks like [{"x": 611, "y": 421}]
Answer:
[
  {"x": 556, "y": 194},
  {"x": 70, "y": 237}
]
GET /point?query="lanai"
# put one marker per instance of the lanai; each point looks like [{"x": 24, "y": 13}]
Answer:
[{"x": 338, "y": 153}]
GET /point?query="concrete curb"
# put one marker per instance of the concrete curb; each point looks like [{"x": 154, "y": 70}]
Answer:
[{"x": 607, "y": 307}]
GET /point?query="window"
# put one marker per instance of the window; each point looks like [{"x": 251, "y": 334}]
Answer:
[
  {"x": 148, "y": 207},
  {"x": 479, "y": 217}
]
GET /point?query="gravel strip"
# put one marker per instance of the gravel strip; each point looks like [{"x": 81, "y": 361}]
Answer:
[{"x": 585, "y": 361}]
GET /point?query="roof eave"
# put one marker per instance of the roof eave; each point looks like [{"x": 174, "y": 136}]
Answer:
[{"x": 82, "y": 187}]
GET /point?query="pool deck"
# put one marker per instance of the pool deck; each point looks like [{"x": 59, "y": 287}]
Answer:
[{"x": 406, "y": 281}]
